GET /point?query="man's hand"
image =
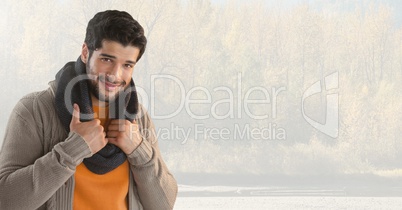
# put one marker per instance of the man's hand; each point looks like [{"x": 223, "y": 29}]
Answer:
[
  {"x": 91, "y": 131},
  {"x": 124, "y": 135}
]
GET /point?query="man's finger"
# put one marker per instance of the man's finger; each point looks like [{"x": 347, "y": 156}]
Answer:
[
  {"x": 111, "y": 141},
  {"x": 114, "y": 122},
  {"x": 113, "y": 127},
  {"x": 76, "y": 115},
  {"x": 113, "y": 133}
]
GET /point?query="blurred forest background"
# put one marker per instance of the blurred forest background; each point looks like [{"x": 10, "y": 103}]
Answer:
[{"x": 270, "y": 44}]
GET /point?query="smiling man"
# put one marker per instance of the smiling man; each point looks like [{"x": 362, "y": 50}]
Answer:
[{"x": 86, "y": 142}]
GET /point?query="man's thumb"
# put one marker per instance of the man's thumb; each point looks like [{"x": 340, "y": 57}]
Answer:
[{"x": 76, "y": 115}]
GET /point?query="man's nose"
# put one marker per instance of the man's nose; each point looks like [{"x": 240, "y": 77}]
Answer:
[{"x": 116, "y": 70}]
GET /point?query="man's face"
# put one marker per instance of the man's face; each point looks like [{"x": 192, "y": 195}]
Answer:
[{"x": 111, "y": 67}]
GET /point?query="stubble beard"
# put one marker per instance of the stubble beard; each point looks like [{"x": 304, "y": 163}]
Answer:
[{"x": 95, "y": 90}]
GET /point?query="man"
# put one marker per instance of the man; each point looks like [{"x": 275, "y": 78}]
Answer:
[{"x": 86, "y": 142}]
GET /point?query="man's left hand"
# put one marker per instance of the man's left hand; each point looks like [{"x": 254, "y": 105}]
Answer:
[{"x": 124, "y": 135}]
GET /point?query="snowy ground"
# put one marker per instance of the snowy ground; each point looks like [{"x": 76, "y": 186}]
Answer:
[
  {"x": 289, "y": 202},
  {"x": 255, "y": 198}
]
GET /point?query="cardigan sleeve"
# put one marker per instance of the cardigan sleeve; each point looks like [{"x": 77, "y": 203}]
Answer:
[
  {"x": 28, "y": 177},
  {"x": 157, "y": 188}
]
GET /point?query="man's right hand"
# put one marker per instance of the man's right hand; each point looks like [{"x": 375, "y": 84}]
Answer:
[{"x": 91, "y": 131}]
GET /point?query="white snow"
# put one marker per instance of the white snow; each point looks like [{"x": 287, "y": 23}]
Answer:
[{"x": 291, "y": 202}]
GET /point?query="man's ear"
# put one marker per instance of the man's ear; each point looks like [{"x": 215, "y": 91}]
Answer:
[{"x": 84, "y": 53}]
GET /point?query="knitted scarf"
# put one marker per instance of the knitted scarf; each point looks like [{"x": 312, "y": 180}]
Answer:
[{"x": 109, "y": 157}]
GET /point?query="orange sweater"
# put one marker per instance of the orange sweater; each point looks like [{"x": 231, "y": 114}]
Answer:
[{"x": 106, "y": 191}]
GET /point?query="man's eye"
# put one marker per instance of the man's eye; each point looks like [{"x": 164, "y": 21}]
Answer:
[
  {"x": 129, "y": 66},
  {"x": 106, "y": 59}
]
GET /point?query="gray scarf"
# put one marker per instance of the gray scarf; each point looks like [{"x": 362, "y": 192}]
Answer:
[{"x": 110, "y": 157}]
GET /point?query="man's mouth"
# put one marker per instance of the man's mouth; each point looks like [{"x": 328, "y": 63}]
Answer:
[{"x": 110, "y": 86}]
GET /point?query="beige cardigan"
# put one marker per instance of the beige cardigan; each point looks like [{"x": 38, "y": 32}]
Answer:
[{"x": 38, "y": 161}]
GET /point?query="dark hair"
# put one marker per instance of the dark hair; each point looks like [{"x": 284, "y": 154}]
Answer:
[{"x": 116, "y": 26}]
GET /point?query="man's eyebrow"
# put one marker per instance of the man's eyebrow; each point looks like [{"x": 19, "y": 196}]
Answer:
[
  {"x": 131, "y": 62},
  {"x": 107, "y": 55},
  {"x": 114, "y": 57}
]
